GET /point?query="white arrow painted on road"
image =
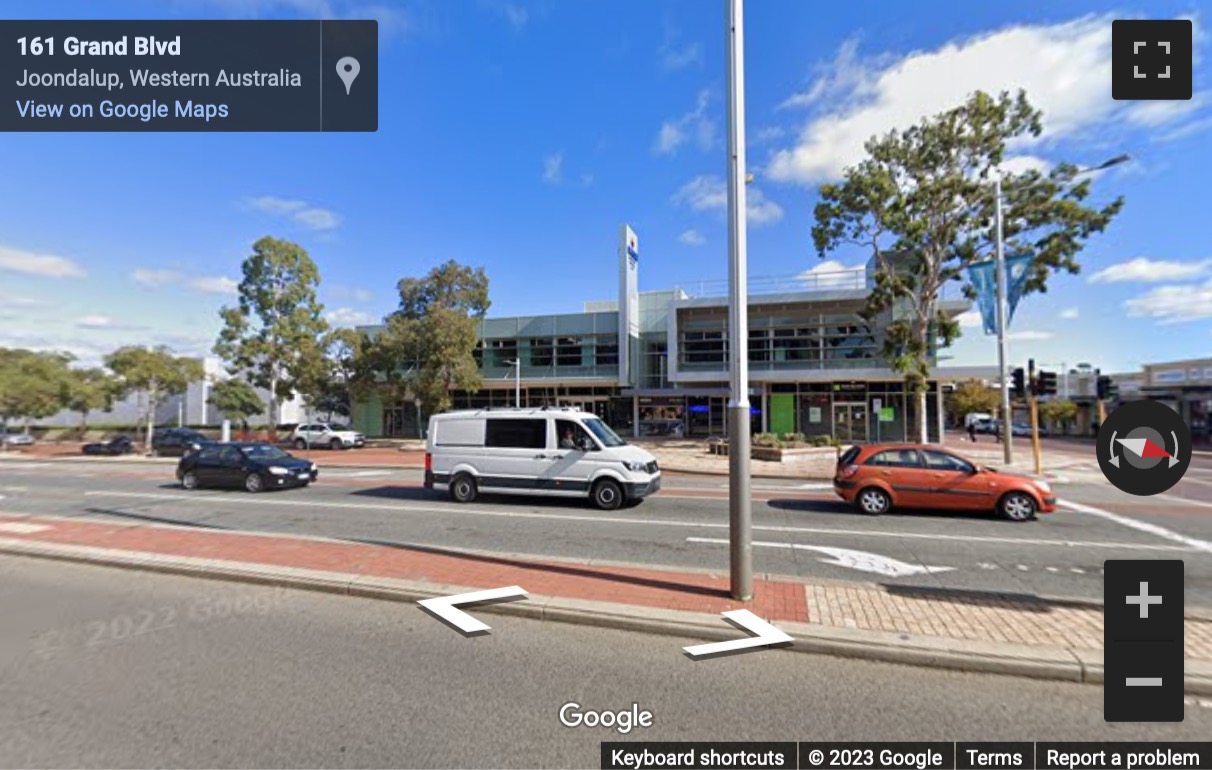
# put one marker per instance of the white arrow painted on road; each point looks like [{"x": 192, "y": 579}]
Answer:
[
  {"x": 864, "y": 561},
  {"x": 766, "y": 635},
  {"x": 444, "y": 606}
]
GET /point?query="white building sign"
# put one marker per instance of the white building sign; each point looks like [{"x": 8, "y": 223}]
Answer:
[{"x": 629, "y": 303}]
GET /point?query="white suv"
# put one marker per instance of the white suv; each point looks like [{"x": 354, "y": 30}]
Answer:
[{"x": 318, "y": 434}]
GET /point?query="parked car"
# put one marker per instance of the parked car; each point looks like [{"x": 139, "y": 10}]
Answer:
[
  {"x": 561, "y": 452},
  {"x": 319, "y": 434},
  {"x": 987, "y": 425},
  {"x": 121, "y": 445},
  {"x": 18, "y": 439},
  {"x": 878, "y": 477},
  {"x": 177, "y": 442},
  {"x": 255, "y": 466}
]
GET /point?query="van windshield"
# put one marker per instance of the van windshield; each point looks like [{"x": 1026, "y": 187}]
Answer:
[{"x": 604, "y": 433}]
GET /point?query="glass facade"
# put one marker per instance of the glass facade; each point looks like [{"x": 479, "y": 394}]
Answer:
[{"x": 679, "y": 383}]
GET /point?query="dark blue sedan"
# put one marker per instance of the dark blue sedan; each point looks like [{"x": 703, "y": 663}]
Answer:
[{"x": 255, "y": 467}]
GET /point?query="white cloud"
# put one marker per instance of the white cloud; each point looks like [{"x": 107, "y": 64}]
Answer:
[
  {"x": 153, "y": 277},
  {"x": 214, "y": 285},
  {"x": 1029, "y": 335},
  {"x": 680, "y": 57},
  {"x": 1020, "y": 164},
  {"x": 95, "y": 322},
  {"x": 970, "y": 319},
  {"x": 297, "y": 211},
  {"x": 832, "y": 274},
  {"x": 1173, "y": 304},
  {"x": 23, "y": 302},
  {"x": 1064, "y": 68},
  {"x": 694, "y": 125},
  {"x": 692, "y": 238},
  {"x": 45, "y": 265},
  {"x": 767, "y": 135},
  {"x": 1147, "y": 270},
  {"x": 553, "y": 168},
  {"x": 709, "y": 193},
  {"x": 347, "y": 316},
  {"x": 1068, "y": 314}
]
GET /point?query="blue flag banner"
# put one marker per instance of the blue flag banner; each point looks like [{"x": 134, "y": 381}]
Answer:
[
  {"x": 1016, "y": 280},
  {"x": 984, "y": 280}
]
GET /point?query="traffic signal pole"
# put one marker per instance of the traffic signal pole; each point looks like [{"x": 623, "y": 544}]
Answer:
[{"x": 1033, "y": 407}]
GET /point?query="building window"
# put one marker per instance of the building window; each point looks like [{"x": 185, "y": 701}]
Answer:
[
  {"x": 478, "y": 354},
  {"x": 568, "y": 351},
  {"x": 606, "y": 351},
  {"x": 707, "y": 347},
  {"x": 759, "y": 345},
  {"x": 503, "y": 352},
  {"x": 541, "y": 351},
  {"x": 797, "y": 344}
]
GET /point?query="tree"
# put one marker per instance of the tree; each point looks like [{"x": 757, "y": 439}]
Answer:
[
  {"x": 33, "y": 384},
  {"x": 428, "y": 346},
  {"x": 921, "y": 204},
  {"x": 349, "y": 367},
  {"x": 274, "y": 336},
  {"x": 236, "y": 399},
  {"x": 1058, "y": 411},
  {"x": 971, "y": 397},
  {"x": 156, "y": 373},
  {"x": 89, "y": 389}
]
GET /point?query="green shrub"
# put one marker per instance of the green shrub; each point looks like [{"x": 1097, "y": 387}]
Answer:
[
  {"x": 823, "y": 440},
  {"x": 767, "y": 440},
  {"x": 794, "y": 438}
]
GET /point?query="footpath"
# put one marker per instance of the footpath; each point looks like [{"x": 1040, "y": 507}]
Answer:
[
  {"x": 674, "y": 455},
  {"x": 963, "y": 630}
]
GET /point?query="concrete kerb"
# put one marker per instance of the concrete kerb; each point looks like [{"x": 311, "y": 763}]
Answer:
[{"x": 1039, "y": 662}]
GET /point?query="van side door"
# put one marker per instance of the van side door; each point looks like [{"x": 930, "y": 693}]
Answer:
[{"x": 516, "y": 454}]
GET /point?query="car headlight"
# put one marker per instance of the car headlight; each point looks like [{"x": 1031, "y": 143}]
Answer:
[
  {"x": 278, "y": 470},
  {"x": 1043, "y": 485},
  {"x": 312, "y": 468}
]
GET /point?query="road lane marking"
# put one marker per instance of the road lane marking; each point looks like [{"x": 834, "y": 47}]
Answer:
[
  {"x": 863, "y": 561},
  {"x": 462, "y": 510},
  {"x": 19, "y": 528},
  {"x": 1141, "y": 526}
]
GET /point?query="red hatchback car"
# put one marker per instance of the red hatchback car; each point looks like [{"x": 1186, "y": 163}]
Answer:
[{"x": 877, "y": 477}]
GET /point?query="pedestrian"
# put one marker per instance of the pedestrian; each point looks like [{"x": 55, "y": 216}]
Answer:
[
  {"x": 997, "y": 431},
  {"x": 972, "y": 431}
]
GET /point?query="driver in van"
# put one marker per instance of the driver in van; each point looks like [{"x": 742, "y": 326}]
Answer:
[{"x": 566, "y": 441}]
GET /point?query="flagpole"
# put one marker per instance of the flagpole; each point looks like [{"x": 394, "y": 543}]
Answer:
[{"x": 1002, "y": 354}]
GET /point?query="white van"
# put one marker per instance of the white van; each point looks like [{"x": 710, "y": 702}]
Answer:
[{"x": 559, "y": 452}]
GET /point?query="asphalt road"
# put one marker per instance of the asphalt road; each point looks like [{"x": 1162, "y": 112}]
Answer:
[
  {"x": 685, "y": 525},
  {"x": 110, "y": 668}
]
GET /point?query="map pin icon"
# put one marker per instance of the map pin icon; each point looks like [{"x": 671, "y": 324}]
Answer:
[{"x": 348, "y": 69}]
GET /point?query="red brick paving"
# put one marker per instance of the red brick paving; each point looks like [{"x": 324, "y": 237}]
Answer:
[{"x": 645, "y": 587}]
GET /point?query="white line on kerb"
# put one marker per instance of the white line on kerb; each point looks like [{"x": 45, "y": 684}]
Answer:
[
  {"x": 461, "y": 510},
  {"x": 1141, "y": 526}
]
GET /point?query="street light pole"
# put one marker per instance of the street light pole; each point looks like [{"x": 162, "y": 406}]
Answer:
[
  {"x": 1002, "y": 313},
  {"x": 740, "y": 533},
  {"x": 517, "y": 382},
  {"x": 1002, "y": 356}
]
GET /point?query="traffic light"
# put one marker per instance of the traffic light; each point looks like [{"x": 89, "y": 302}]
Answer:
[
  {"x": 1105, "y": 387},
  {"x": 1018, "y": 377},
  {"x": 1046, "y": 384}
]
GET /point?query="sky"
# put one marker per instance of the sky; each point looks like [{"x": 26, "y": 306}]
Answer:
[{"x": 518, "y": 135}]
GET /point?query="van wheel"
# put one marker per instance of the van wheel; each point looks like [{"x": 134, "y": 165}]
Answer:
[
  {"x": 607, "y": 494},
  {"x": 463, "y": 488},
  {"x": 873, "y": 501}
]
